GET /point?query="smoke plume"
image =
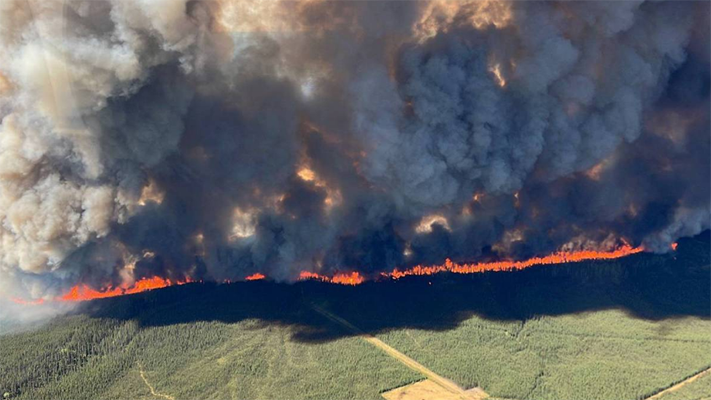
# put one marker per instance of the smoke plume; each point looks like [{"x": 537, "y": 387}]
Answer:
[{"x": 217, "y": 139}]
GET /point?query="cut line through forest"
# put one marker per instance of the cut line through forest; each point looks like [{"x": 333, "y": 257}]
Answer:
[{"x": 150, "y": 387}]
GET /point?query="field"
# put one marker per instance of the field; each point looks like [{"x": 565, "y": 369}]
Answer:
[{"x": 623, "y": 329}]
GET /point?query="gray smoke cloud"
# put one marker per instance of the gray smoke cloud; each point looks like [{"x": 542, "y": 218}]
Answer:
[{"x": 216, "y": 139}]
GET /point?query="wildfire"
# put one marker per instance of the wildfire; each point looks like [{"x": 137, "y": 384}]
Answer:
[
  {"x": 674, "y": 246},
  {"x": 556, "y": 258},
  {"x": 341, "y": 278},
  {"x": 84, "y": 292},
  {"x": 255, "y": 277},
  {"x": 354, "y": 278}
]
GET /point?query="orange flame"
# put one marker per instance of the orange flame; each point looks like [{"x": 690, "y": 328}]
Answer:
[
  {"x": 354, "y": 278},
  {"x": 674, "y": 246},
  {"x": 555, "y": 258},
  {"x": 84, "y": 292},
  {"x": 341, "y": 278},
  {"x": 27, "y": 302},
  {"x": 255, "y": 277}
]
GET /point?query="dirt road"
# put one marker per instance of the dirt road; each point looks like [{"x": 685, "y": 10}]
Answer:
[
  {"x": 680, "y": 384},
  {"x": 407, "y": 361},
  {"x": 150, "y": 387}
]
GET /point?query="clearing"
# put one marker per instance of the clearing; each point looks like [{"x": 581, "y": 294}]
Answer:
[{"x": 430, "y": 390}]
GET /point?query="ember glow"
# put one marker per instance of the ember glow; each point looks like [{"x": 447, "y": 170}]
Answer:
[{"x": 425, "y": 225}]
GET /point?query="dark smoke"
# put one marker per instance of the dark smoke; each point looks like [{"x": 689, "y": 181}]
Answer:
[{"x": 215, "y": 139}]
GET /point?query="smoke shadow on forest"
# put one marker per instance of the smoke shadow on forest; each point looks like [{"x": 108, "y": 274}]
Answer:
[{"x": 646, "y": 286}]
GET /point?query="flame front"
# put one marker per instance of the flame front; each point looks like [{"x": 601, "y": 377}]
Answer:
[
  {"x": 84, "y": 292},
  {"x": 341, "y": 278},
  {"x": 561, "y": 257}
]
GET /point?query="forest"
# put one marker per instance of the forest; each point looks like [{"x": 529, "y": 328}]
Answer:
[{"x": 616, "y": 329}]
